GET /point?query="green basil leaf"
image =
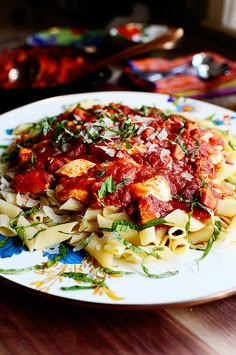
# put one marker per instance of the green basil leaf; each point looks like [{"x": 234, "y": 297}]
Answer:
[{"x": 108, "y": 186}]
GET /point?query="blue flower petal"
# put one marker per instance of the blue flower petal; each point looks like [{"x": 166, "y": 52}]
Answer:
[
  {"x": 72, "y": 257},
  {"x": 13, "y": 246},
  {"x": 9, "y": 131},
  {"x": 171, "y": 98}
]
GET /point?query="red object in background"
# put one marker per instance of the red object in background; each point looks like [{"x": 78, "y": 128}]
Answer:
[
  {"x": 182, "y": 83},
  {"x": 130, "y": 30},
  {"x": 55, "y": 66}
]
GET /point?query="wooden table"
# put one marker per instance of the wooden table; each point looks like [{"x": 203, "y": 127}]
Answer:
[{"x": 31, "y": 324}]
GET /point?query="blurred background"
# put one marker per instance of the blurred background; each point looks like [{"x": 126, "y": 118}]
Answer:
[
  {"x": 20, "y": 17},
  {"x": 209, "y": 26}
]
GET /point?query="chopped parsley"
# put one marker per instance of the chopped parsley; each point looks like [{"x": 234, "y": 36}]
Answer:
[{"x": 145, "y": 110}]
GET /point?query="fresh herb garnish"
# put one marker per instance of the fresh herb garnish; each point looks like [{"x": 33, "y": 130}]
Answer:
[
  {"x": 144, "y": 253},
  {"x": 204, "y": 184},
  {"x": 14, "y": 220},
  {"x": 216, "y": 224},
  {"x": 231, "y": 182},
  {"x": 63, "y": 251},
  {"x": 78, "y": 287},
  {"x": 232, "y": 145},
  {"x": 216, "y": 233},
  {"x": 88, "y": 282},
  {"x": 80, "y": 276},
  {"x": 179, "y": 134},
  {"x": 21, "y": 229},
  {"x": 108, "y": 186},
  {"x": 100, "y": 173},
  {"x": 48, "y": 264},
  {"x": 109, "y": 271},
  {"x": 123, "y": 225},
  {"x": 62, "y": 134},
  {"x": 32, "y": 158},
  {"x": 128, "y": 128},
  {"x": 114, "y": 108},
  {"x": 183, "y": 145},
  {"x": 193, "y": 152},
  {"x": 46, "y": 125},
  {"x": 162, "y": 275},
  {"x": 123, "y": 182},
  {"x": 188, "y": 221},
  {"x": 145, "y": 110},
  {"x": 3, "y": 242},
  {"x": 22, "y": 270},
  {"x": 129, "y": 245},
  {"x": 85, "y": 241},
  {"x": 128, "y": 146}
]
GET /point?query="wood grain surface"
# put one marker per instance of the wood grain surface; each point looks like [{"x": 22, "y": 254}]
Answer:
[{"x": 33, "y": 325}]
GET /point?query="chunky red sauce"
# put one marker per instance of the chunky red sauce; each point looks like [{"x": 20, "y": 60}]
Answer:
[
  {"x": 129, "y": 147},
  {"x": 39, "y": 66}
]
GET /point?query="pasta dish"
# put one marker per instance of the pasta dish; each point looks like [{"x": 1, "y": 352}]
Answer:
[{"x": 119, "y": 182}]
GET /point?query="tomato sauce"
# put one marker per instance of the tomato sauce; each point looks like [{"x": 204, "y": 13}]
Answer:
[{"x": 128, "y": 146}]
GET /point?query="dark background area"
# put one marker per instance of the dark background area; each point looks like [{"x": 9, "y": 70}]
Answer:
[
  {"x": 24, "y": 17},
  {"x": 18, "y": 19},
  {"x": 39, "y": 14}
]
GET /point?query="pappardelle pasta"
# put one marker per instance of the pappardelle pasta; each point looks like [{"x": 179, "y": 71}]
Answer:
[{"x": 119, "y": 182}]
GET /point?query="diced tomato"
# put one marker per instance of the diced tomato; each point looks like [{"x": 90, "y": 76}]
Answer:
[{"x": 34, "y": 181}]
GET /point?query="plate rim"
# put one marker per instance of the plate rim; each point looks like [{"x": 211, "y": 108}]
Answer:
[
  {"x": 191, "y": 302},
  {"x": 217, "y": 296},
  {"x": 125, "y": 92}
]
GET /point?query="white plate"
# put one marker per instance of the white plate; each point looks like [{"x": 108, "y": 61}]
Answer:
[{"x": 214, "y": 278}]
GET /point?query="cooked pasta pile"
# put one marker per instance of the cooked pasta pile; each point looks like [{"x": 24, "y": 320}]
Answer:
[{"x": 120, "y": 182}]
